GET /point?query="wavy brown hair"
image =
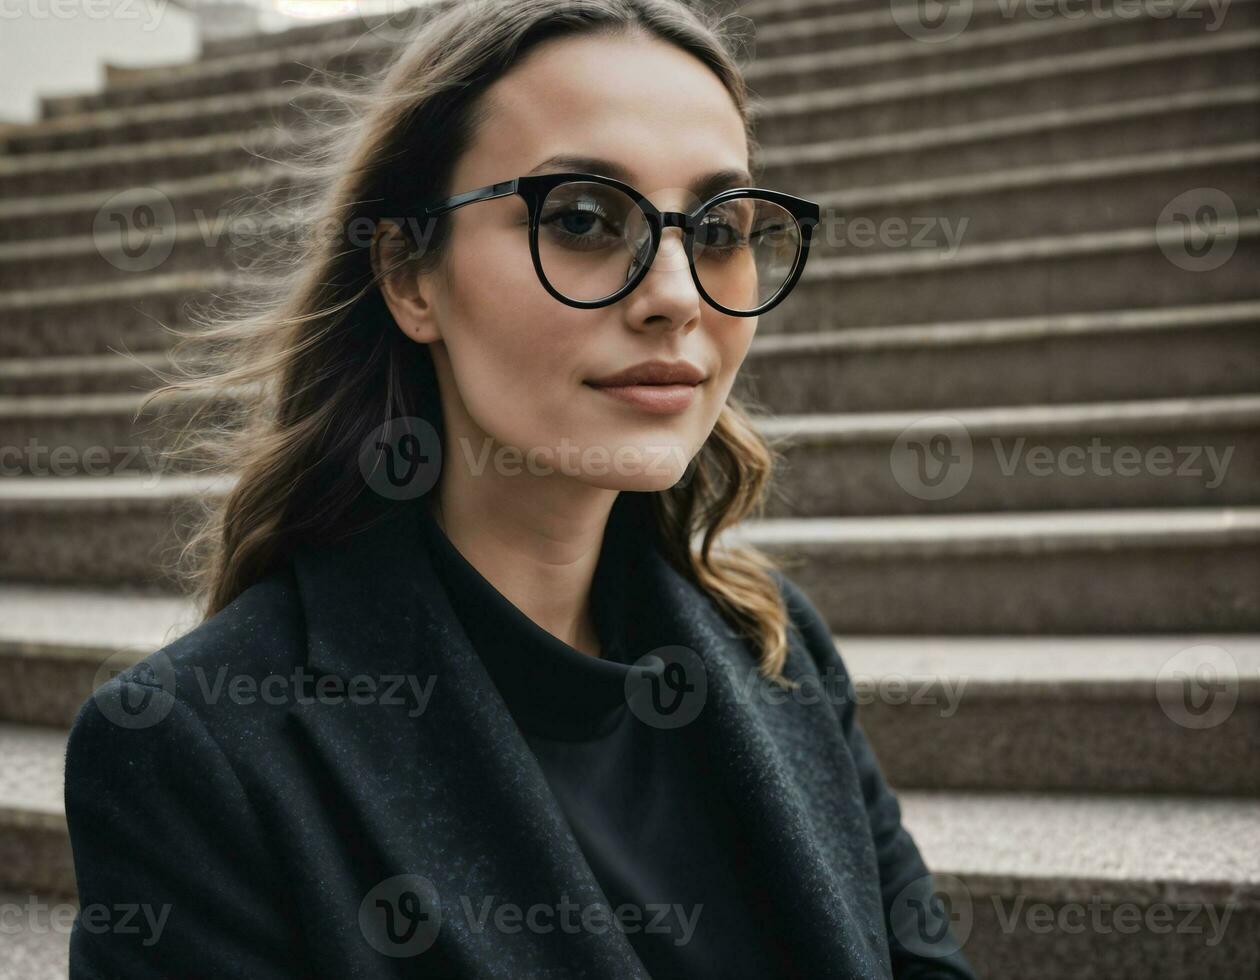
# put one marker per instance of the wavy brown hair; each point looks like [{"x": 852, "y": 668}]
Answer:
[{"x": 315, "y": 364}]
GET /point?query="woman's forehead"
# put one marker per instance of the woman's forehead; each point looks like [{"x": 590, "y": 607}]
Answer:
[{"x": 653, "y": 108}]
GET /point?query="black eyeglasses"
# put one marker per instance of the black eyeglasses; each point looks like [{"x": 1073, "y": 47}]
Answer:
[{"x": 593, "y": 239}]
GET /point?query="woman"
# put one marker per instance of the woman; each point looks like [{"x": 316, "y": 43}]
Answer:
[{"x": 467, "y": 702}]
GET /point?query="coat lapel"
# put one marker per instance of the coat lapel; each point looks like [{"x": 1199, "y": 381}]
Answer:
[
  {"x": 454, "y": 794},
  {"x": 792, "y": 781}
]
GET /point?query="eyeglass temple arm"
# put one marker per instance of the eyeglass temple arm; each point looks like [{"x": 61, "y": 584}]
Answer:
[{"x": 487, "y": 193}]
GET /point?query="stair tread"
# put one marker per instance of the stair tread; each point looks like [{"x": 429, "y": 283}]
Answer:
[
  {"x": 32, "y": 768},
  {"x": 45, "y": 620},
  {"x": 1006, "y": 328},
  {"x": 120, "y": 487},
  {"x": 1025, "y": 70},
  {"x": 1095, "y": 529},
  {"x": 826, "y": 151},
  {"x": 35, "y": 943},
  {"x": 1190, "y": 846},
  {"x": 1042, "y": 665},
  {"x": 1161, "y": 414}
]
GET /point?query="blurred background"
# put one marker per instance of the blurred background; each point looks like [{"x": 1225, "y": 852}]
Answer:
[{"x": 1017, "y": 389}]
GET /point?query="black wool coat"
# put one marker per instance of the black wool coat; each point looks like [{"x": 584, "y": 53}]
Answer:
[{"x": 232, "y": 816}]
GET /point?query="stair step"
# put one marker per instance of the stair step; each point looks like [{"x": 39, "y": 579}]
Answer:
[
  {"x": 342, "y": 27},
  {"x": 1208, "y": 349},
  {"x": 194, "y": 200},
  {"x": 34, "y": 848},
  {"x": 126, "y": 127},
  {"x": 1007, "y": 203},
  {"x": 99, "y": 317},
  {"x": 1095, "y": 886},
  {"x": 1051, "y": 572},
  {"x": 1072, "y": 713},
  {"x": 1034, "y": 85},
  {"x": 57, "y": 177},
  {"x": 36, "y": 942},
  {"x": 363, "y": 55},
  {"x": 1047, "y": 275},
  {"x": 822, "y": 30},
  {"x": 55, "y": 642},
  {"x": 1148, "y": 124},
  {"x": 996, "y": 42},
  {"x": 120, "y": 529},
  {"x": 82, "y": 374},
  {"x": 829, "y": 31},
  {"x": 213, "y": 51},
  {"x": 1202, "y": 452}
]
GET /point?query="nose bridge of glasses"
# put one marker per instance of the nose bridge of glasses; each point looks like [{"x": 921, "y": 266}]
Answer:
[{"x": 673, "y": 219}]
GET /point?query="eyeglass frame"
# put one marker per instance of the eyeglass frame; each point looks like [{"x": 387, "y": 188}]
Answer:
[{"x": 535, "y": 188}]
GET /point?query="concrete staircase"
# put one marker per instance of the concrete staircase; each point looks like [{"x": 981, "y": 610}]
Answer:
[{"x": 1019, "y": 413}]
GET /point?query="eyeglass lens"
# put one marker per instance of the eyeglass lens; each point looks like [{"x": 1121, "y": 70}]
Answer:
[{"x": 593, "y": 238}]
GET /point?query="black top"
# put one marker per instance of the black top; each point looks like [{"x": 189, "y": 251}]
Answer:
[{"x": 652, "y": 824}]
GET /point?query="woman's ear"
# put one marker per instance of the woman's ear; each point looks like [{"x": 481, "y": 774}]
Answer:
[{"x": 406, "y": 291}]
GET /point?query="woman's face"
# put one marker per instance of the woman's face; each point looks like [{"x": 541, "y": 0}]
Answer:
[{"x": 513, "y": 362}]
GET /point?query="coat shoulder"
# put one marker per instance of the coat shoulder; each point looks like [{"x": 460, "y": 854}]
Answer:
[{"x": 259, "y": 634}]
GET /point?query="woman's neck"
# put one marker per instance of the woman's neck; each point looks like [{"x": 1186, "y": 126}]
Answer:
[{"x": 543, "y": 567}]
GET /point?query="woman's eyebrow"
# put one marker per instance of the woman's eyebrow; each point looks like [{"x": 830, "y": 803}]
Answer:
[{"x": 703, "y": 187}]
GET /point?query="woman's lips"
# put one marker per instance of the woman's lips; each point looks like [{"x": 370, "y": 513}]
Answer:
[{"x": 661, "y": 399}]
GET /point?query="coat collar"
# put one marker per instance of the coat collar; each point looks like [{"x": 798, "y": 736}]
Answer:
[{"x": 481, "y": 820}]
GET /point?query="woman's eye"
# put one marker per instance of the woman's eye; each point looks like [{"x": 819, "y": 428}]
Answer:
[
  {"x": 581, "y": 222},
  {"x": 716, "y": 234}
]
